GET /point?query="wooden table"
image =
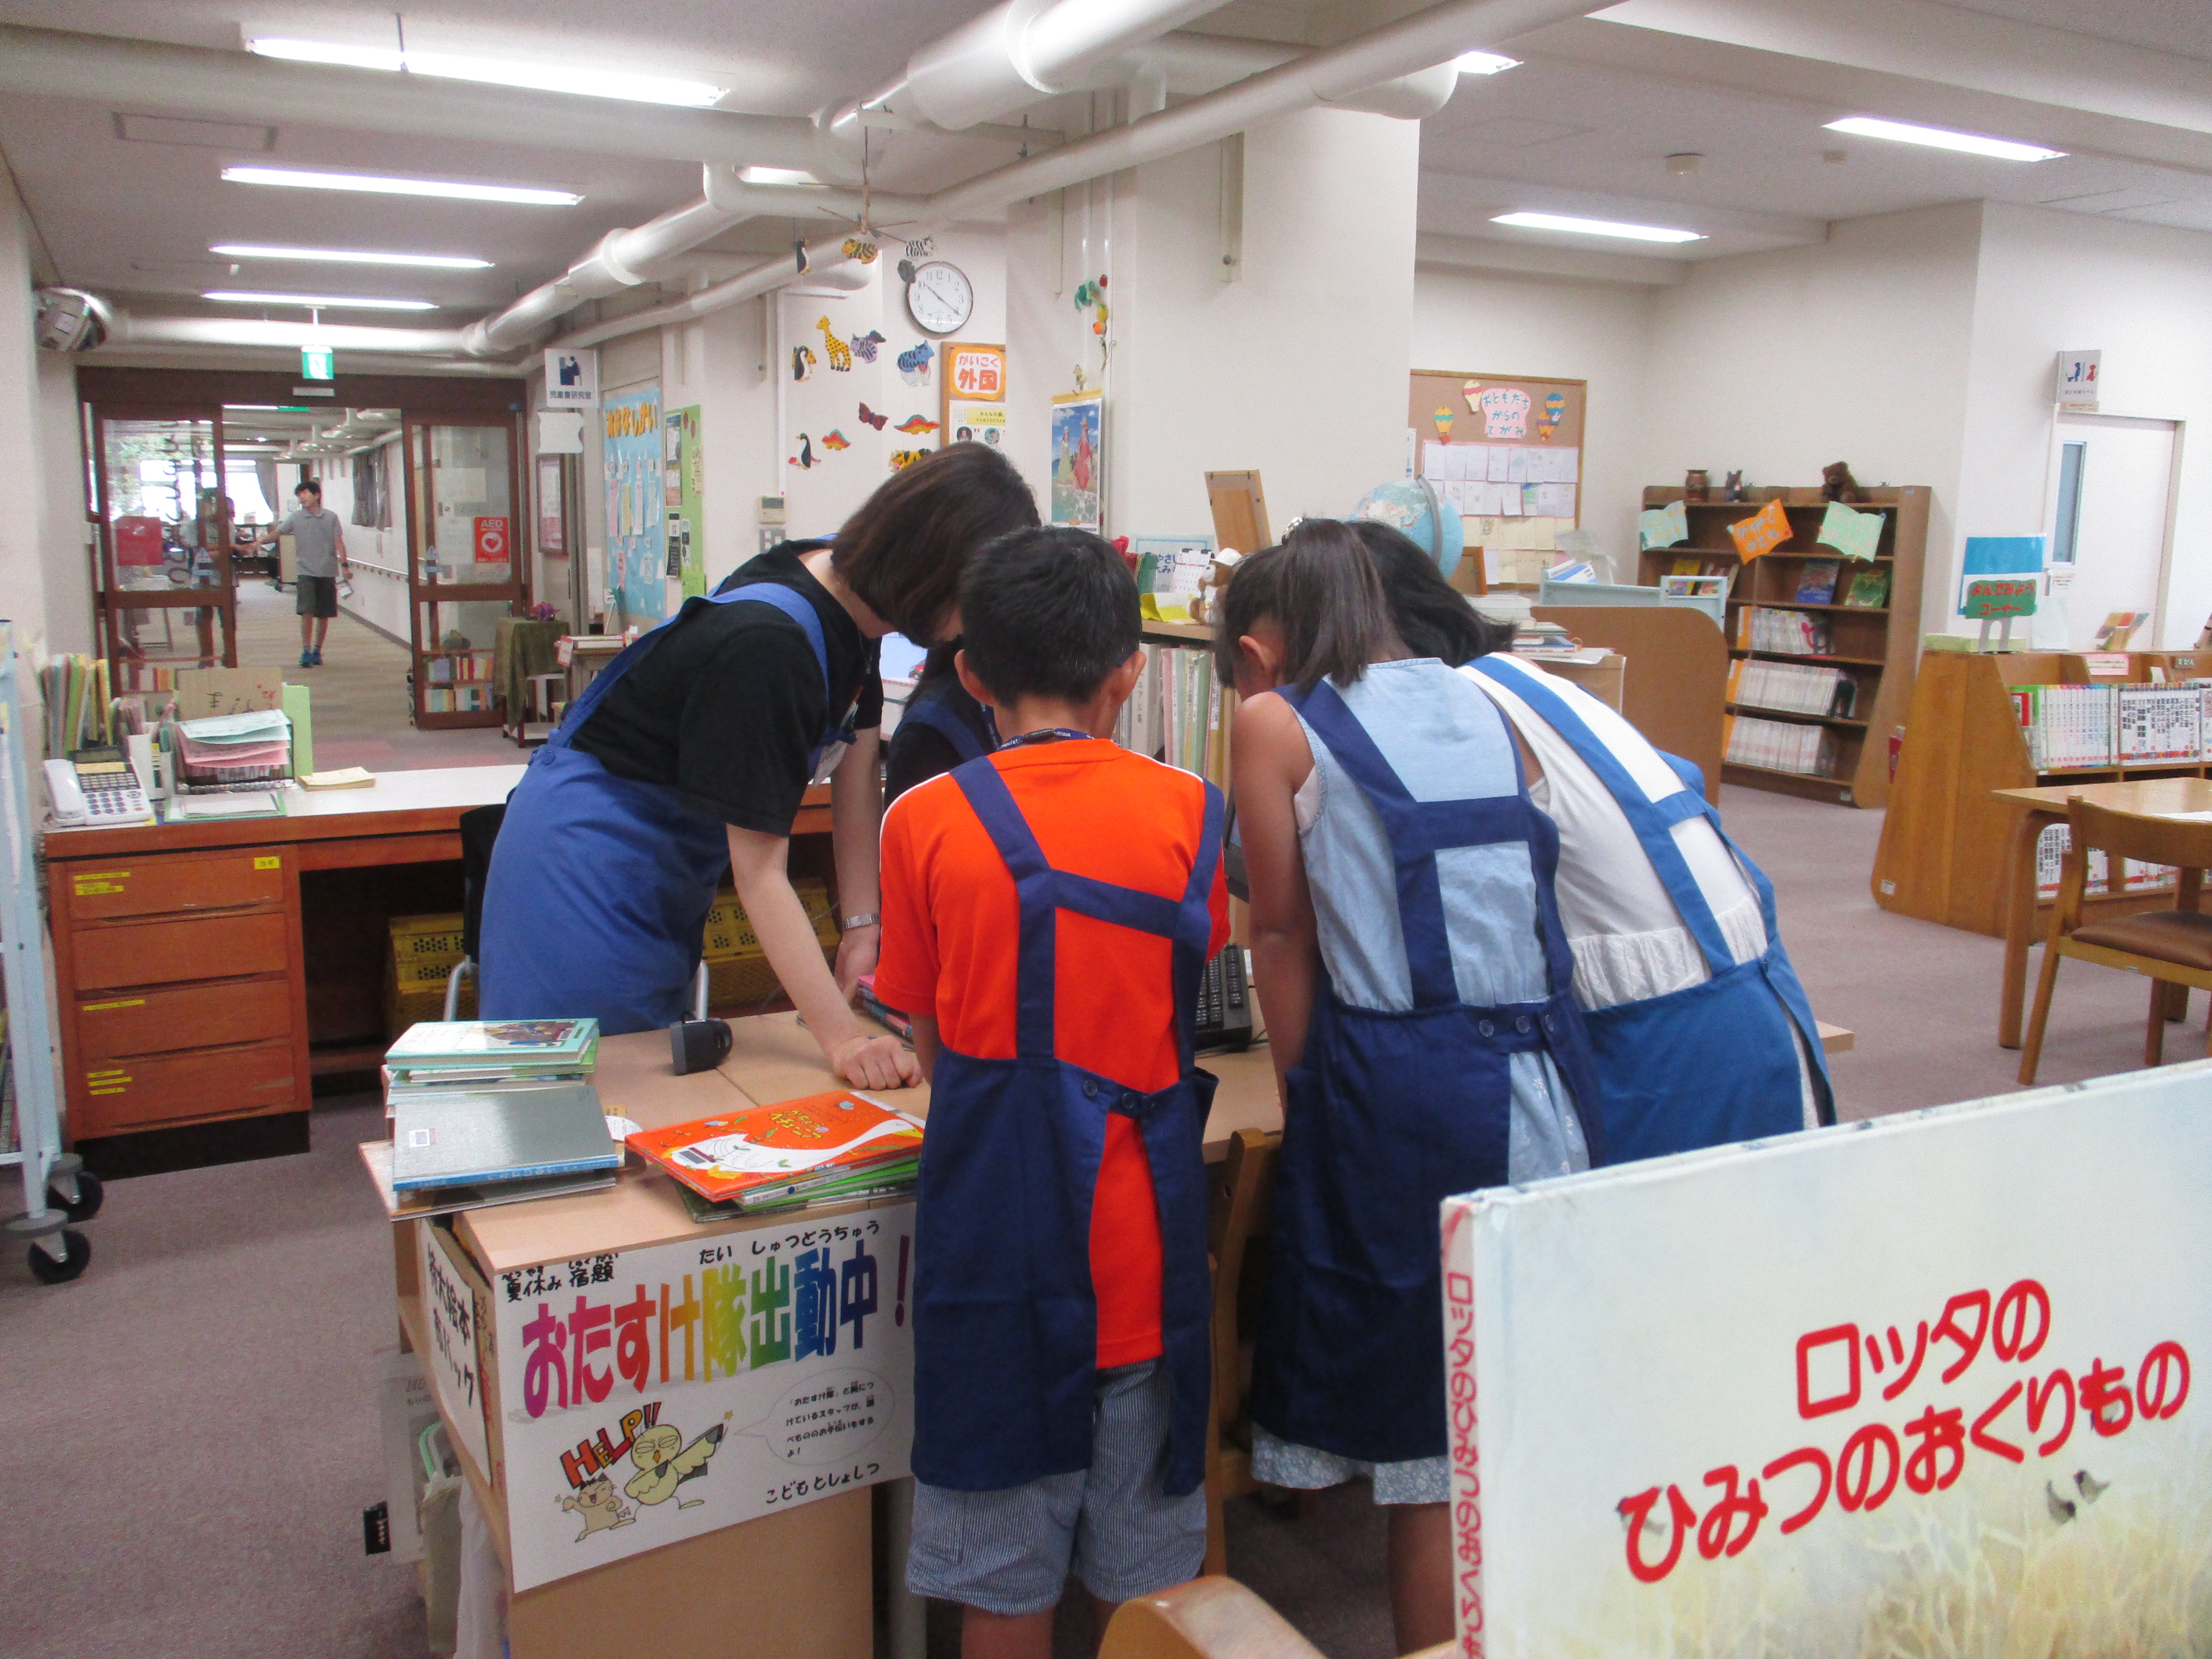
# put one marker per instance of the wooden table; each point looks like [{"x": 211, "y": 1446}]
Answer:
[
  {"x": 2039, "y": 808},
  {"x": 208, "y": 970}
]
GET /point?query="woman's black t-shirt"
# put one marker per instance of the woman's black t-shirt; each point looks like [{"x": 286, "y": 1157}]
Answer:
[
  {"x": 727, "y": 705},
  {"x": 917, "y": 752}
]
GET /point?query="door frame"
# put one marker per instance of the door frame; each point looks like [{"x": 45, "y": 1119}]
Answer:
[{"x": 2130, "y": 419}]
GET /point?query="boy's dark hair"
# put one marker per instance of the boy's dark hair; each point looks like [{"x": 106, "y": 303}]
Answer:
[
  {"x": 1433, "y": 617},
  {"x": 904, "y": 550},
  {"x": 1048, "y": 613},
  {"x": 1323, "y": 591},
  {"x": 309, "y": 484}
]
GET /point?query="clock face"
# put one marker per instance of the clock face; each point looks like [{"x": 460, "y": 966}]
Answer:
[{"x": 939, "y": 298}]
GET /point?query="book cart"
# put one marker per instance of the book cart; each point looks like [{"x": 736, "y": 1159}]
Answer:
[
  {"x": 1945, "y": 845},
  {"x": 1874, "y": 644}
]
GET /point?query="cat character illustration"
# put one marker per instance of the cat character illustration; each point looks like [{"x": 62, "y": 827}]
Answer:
[{"x": 602, "y": 1510}]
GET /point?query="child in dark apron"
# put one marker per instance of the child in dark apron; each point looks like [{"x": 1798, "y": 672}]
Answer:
[{"x": 1418, "y": 988}]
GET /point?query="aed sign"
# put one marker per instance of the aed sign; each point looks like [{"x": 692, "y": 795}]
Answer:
[
  {"x": 491, "y": 541},
  {"x": 2077, "y": 379},
  {"x": 318, "y": 363},
  {"x": 571, "y": 379},
  {"x": 2010, "y": 597}
]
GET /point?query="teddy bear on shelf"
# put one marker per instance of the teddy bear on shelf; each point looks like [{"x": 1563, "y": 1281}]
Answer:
[{"x": 1837, "y": 484}]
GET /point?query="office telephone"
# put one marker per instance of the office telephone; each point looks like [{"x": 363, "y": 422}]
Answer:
[{"x": 99, "y": 789}]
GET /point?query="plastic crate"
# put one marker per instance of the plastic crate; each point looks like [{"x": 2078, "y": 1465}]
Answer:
[
  {"x": 738, "y": 977},
  {"x": 422, "y": 953}
]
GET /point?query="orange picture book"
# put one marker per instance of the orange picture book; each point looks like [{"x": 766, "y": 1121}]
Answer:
[{"x": 814, "y": 1141}]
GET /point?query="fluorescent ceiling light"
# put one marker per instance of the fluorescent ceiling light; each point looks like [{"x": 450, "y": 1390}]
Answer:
[
  {"x": 775, "y": 176},
  {"x": 582, "y": 80},
  {"x": 1597, "y": 227},
  {"x": 294, "y": 178},
  {"x": 1867, "y": 126},
  {"x": 317, "y": 301},
  {"x": 1483, "y": 62},
  {"x": 341, "y": 257}
]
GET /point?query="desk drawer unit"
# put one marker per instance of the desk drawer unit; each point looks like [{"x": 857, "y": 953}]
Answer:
[{"x": 182, "y": 987}]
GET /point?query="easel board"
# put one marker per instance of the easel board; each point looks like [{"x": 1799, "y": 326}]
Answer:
[{"x": 1523, "y": 434}]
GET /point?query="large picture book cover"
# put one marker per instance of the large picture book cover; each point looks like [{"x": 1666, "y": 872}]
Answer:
[{"x": 733, "y": 1153}]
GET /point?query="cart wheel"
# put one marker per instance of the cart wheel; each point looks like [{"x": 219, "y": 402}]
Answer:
[
  {"x": 90, "y": 1195},
  {"x": 47, "y": 1271}
]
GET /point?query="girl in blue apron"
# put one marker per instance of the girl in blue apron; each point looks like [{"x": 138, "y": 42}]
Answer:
[
  {"x": 941, "y": 726},
  {"x": 691, "y": 753},
  {"x": 1703, "y": 1033},
  {"x": 1418, "y": 991}
]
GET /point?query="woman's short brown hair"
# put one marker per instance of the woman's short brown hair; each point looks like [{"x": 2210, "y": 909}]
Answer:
[{"x": 903, "y": 551}]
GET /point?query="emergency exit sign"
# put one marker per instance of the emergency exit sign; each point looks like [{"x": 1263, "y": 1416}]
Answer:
[{"x": 318, "y": 363}]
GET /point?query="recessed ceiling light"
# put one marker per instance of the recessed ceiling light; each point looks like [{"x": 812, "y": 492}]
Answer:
[
  {"x": 1902, "y": 133},
  {"x": 1597, "y": 227},
  {"x": 582, "y": 80},
  {"x": 342, "y": 257},
  {"x": 775, "y": 176},
  {"x": 317, "y": 301},
  {"x": 295, "y": 179},
  {"x": 1483, "y": 62}
]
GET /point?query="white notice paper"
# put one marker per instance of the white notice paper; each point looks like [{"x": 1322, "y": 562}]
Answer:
[
  {"x": 1432, "y": 458},
  {"x": 1500, "y": 462}
]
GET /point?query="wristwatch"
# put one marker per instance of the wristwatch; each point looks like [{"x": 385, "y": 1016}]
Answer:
[{"x": 874, "y": 918}]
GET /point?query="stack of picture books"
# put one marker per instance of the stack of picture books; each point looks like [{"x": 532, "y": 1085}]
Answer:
[
  {"x": 489, "y": 1112},
  {"x": 818, "y": 1150}
]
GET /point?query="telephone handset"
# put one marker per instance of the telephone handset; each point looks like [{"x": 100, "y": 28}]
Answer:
[{"x": 102, "y": 794}]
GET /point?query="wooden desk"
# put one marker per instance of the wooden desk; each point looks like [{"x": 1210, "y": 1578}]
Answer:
[
  {"x": 1674, "y": 686},
  {"x": 2035, "y": 809},
  {"x": 208, "y": 971}
]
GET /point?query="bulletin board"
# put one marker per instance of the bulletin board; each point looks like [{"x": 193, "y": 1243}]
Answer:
[{"x": 1507, "y": 450}]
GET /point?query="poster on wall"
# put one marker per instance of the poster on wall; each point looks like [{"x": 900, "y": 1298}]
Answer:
[
  {"x": 654, "y": 1394},
  {"x": 552, "y": 518},
  {"x": 1914, "y": 1387},
  {"x": 974, "y": 406},
  {"x": 1078, "y": 427},
  {"x": 683, "y": 490},
  {"x": 637, "y": 552}
]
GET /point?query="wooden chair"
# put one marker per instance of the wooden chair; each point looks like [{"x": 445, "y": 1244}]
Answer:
[
  {"x": 2173, "y": 947},
  {"x": 1243, "y": 1201}
]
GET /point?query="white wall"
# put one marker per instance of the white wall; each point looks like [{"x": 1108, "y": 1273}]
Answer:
[
  {"x": 2141, "y": 294},
  {"x": 64, "y": 531},
  {"x": 1602, "y": 333},
  {"x": 1854, "y": 350},
  {"x": 24, "y": 579}
]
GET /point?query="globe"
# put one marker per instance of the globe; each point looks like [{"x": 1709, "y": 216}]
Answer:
[{"x": 1412, "y": 507}]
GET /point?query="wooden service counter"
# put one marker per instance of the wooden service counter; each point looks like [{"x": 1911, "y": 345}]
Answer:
[
  {"x": 208, "y": 970},
  {"x": 794, "y": 1583}
]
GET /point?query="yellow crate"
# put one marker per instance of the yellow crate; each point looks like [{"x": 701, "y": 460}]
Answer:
[
  {"x": 424, "y": 949},
  {"x": 407, "y": 1007},
  {"x": 729, "y": 934}
]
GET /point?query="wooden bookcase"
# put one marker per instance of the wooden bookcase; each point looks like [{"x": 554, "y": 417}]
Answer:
[
  {"x": 1876, "y": 646},
  {"x": 1944, "y": 844}
]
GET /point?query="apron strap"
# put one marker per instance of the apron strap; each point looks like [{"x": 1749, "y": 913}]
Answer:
[
  {"x": 1653, "y": 821},
  {"x": 1044, "y": 892},
  {"x": 1418, "y": 831},
  {"x": 955, "y": 730}
]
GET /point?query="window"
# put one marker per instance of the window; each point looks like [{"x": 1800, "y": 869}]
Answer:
[{"x": 2067, "y": 523}]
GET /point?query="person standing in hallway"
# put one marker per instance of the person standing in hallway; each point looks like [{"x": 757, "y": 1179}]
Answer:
[{"x": 318, "y": 543}]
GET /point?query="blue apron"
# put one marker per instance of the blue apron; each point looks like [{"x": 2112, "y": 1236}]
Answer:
[
  {"x": 1712, "y": 1063},
  {"x": 1386, "y": 1114},
  {"x": 922, "y": 709},
  {"x": 596, "y": 905},
  {"x": 1006, "y": 1331}
]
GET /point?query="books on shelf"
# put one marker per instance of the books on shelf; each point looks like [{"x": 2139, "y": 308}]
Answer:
[
  {"x": 446, "y": 667},
  {"x": 450, "y": 1138},
  {"x": 812, "y": 1150},
  {"x": 456, "y": 699},
  {"x": 1786, "y": 633},
  {"x": 2135, "y": 877},
  {"x": 1781, "y": 746},
  {"x": 1795, "y": 687},
  {"x": 1816, "y": 581},
  {"x": 1869, "y": 589},
  {"x": 452, "y": 1051},
  {"x": 1174, "y": 714},
  {"x": 2072, "y": 727}
]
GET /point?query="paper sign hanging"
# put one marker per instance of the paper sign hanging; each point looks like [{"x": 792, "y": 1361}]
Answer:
[
  {"x": 2077, "y": 381},
  {"x": 1854, "y": 535},
  {"x": 1664, "y": 525},
  {"x": 1503, "y": 409},
  {"x": 1762, "y": 532}
]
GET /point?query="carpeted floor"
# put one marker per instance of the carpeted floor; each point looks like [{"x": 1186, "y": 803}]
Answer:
[{"x": 196, "y": 1415}]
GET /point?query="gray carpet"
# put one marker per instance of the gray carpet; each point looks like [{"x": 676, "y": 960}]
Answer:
[{"x": 196, "y": 1416}]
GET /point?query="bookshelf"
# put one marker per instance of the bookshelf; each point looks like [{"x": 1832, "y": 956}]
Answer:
[
  {"x": 1874, "y": 646},
  {"x": 1946, "y": 841}
]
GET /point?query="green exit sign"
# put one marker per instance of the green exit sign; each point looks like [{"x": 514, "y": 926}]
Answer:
[{"x": 318, "y": 363}]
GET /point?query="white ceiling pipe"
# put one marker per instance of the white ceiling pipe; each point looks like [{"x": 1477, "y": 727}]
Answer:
[
  {"x": 1333, "y": 74},
  {"x": 239, "y": 86},
  {"x": 1197, "y": 63},
  {"x": 828, "y": 266},
  {"x": 734, "y": 195},
  {"x": 1024, "y": 49}
]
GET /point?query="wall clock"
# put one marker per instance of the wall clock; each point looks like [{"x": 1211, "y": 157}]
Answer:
[{"x": 938, "y": 297}]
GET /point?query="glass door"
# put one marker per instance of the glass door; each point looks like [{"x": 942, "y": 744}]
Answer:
[
  {"x": 465, "y": 572},
  {"x": 168, "y": 595}
]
